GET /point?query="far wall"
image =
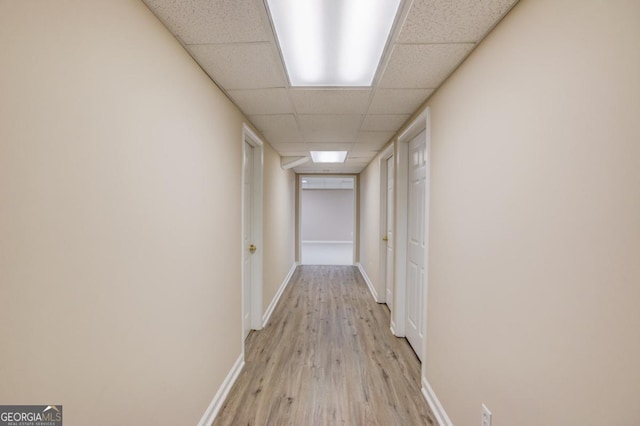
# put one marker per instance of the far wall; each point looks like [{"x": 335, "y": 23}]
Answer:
[{"x": 327, "y": 214}]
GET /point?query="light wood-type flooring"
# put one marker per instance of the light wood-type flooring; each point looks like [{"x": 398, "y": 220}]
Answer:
[{"x": 327, "y": 357}]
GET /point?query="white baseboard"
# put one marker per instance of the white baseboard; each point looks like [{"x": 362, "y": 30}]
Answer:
[
  {"x": 218, "y": 400},
  {"x": 372, "y": 289},
  {"x": 434, "y": 404},
  {"x": 276, "y": 298}
]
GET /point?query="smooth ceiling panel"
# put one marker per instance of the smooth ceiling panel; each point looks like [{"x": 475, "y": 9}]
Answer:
[
  {"x": 377, "y": 145},
  {"x": 365, "y": 157},
  {"x": 240, "y": 66},
  {"x": 363, "y": 151},
  {"x": 291, "y": 149},
  {"x": 330, "y": 101},
  {"x": 278, "y": 128},
  {"x": 398, "y": 101},
  {"x": 384, "y": 122},
  {"x": 262, "y": 101},
  {"x": 233, "y": 42},
  {"x": 330, "y": 128},
  {"x": 213, "y": 21},
  {"x": 374, "y": 138},
  {"x": 356, "y": 162},
  {"x": 329, "y": 146},
  {"x": 447, "y": 21},
  {"x": 422, "y": 66},
  {"x": 362, "y": 147}
]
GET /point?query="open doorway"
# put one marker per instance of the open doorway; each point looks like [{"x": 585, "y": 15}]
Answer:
[{"x": 327, "y": 220}]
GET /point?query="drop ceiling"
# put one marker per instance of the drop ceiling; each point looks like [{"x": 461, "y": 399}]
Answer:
[{"x": 233, "y": 42}]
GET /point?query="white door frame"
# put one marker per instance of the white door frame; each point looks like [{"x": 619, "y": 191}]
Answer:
[
  {"x": 384, "y": 157},
  {"x": 399, "y": 311},
  {"x": 255, "y": 314}
]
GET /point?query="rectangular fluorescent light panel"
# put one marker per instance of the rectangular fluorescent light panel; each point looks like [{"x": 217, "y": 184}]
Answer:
[
  {"x": 328, "y": 156},
  {"x": 332, "y": 42}
]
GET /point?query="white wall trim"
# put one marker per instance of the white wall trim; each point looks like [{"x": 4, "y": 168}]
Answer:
[
  {"x": 372, "y": 288},
  {"x": 276, "y": 298},
  {"x": 218, "y": 400},
  {"x": 434, "y": 404}
]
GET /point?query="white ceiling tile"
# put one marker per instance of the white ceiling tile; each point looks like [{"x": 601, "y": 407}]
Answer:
[
  {"x": 363, "y": 151},
  {"x": 329, "y": 146},
  {"x": 330, "y": 101},
  {"x": 447, "y": 21},
  {"x": 368, "y": 147},
  {"x": 291, "y": 149},
  {"x": 235, "y": 66},
  {"x": 330, "y": 128},
  {"x": 365, "y": 156},
  {"x": 372, "y": 145},
  {"x": 213, "y": 21},
  {"x": 278, "y": 128},
  {"x": 398, "y": 101},
  {"x": 422, "y": 66},
  {"x": 374, "y": 138},
  {"x": 384, "y": 122},
  {"x": 233, "y": 42},
  {"x": 357, "y": 161},
  {"x": 262, "y": 101}
]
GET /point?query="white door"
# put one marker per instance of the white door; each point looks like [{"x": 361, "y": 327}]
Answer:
[
  {"x": 415, "y": 297},
  {"x": 247, "y": 237},
  {"x": 389, "y": 260}
]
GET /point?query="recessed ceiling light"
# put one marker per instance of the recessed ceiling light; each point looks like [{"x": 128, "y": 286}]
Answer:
[
  {"x": 332, "y": 42},
  {"x": 328, "y": 156}
]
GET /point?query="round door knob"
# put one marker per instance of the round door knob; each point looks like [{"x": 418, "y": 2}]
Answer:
[{"x": 252, "y": 248}]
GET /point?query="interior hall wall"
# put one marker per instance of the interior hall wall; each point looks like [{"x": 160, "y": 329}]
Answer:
[
  {"x": 534, "y": 271},
  {"x": 278, "y": 225},
  {"x": 370, "y": 223},
  {"x": 120, "y": 217}
]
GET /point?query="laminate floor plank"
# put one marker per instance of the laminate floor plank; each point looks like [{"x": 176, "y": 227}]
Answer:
[{"x": 327, "y": 357}]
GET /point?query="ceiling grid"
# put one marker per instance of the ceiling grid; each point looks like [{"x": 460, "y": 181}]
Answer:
[{"x": 233, "y": 42}]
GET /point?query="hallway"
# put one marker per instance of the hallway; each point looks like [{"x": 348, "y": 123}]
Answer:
[
  {"x": 327, "y": 357},
  {"x": 128, "y": 217}
]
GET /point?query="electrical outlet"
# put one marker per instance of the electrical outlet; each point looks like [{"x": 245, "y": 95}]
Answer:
[{"x": 486, "y": 416}]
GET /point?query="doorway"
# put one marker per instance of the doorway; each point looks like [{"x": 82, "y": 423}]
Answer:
[
  {"x": 412, "y": 235},
  {"x": 414, "y": 328},
  {"x": 327, "y": 220},
  {"x": 252, "y": 154},
  {"x": 387, "y": 204}
]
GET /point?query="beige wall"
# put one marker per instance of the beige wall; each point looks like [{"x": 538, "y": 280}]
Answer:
[
  {"x": 120, "y": 170},
  {"x": 279, "y": 221},
  {"x": 370, "y": 224},
  {"x": 534, "y": 272}
]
